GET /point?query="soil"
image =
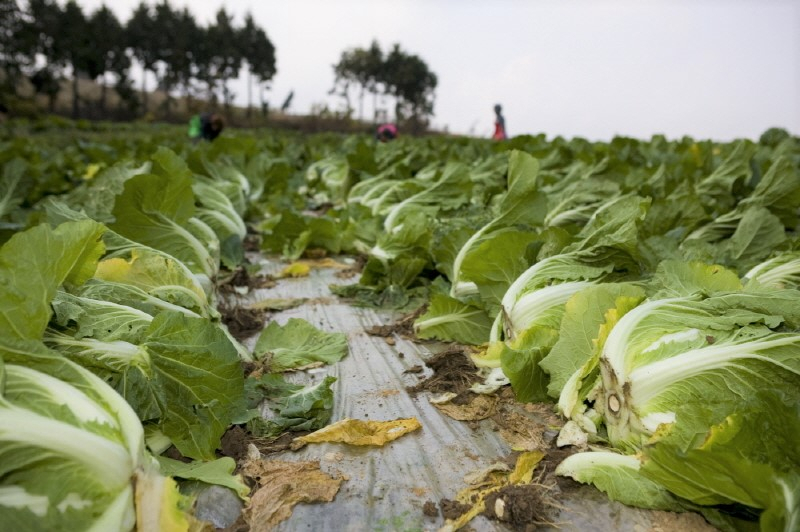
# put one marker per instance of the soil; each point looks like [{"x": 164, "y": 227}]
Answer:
[
  {"x": 430, "y": 509},
  {"x": 236, "y": 441},
  {"x": 453, "y": 509},
  {"x": 523, "y": 506},
  {"x": 453, "y": 372},
  {"x": 242, "y": 322}
]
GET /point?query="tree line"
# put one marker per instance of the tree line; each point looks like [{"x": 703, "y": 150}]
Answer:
[
  {"x": 46, "y": 43},
  {"x": 396, "y": 73}
]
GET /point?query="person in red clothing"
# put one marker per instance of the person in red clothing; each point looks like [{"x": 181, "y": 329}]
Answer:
[{"x": 499, "y": 124}]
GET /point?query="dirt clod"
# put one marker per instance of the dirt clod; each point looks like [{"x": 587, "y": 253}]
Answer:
[
  {"x": 519, "y": 505},
  {"x": 430, "y": 509},
  {"x": 453, "y": 509},
  {"x": 234, "y": 443}
]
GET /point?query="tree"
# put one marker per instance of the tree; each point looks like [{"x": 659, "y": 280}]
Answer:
[
  {"x": 17, "y": 49},
  {"x": 224, "y": 56},
  {"x": 109, "y": 49},
  {"x": 139, "y": 33},
  {"x": 182, "y": 67},
  {"x": 40, "y": 31},
  {"x": 259, "y": 53},
  {"x": 362, "y": 67},
  {"x": 405, "y": 77},
  {"x": 408, "y": 79},
  {"x": 170, "y": 49},
  {"x": 74, "y": 39}
]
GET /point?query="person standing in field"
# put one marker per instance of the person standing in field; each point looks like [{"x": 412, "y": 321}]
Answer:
[
  {"x": 206, "y": 126},
  {"x": 499, "y": 124}
]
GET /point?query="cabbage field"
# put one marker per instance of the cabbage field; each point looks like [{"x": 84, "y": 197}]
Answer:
[{"x": 642, "y": 296}]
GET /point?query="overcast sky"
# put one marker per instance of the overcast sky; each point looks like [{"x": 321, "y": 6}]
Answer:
[{"x": 717, "y": 69}]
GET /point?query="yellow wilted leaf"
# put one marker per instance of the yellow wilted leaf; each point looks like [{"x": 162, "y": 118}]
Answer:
[
  {"x": 297, "y": 269},
  {"x": 328, "y": 262},
  {"x": 282, "y": 485},
  {"x": 523, "y": 470},
  {"x": 358, "y": 432},
  {"x": 480, "y": 407},
  {"x": 91, "y": 171}
]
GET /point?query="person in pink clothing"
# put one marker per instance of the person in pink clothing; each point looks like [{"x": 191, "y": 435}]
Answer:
[{"x": 386, "y": 132}]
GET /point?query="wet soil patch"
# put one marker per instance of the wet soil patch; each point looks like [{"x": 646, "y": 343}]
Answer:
[
  {"x": 453, "y": 372},
  {"x": 234, "y": 443},
  {"x": 242, "y": 322}
]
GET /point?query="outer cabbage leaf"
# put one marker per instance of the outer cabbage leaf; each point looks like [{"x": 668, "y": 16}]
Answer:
[
  {"x": 452, "y": 320},
  {"x": 751, "y": 458},
  {"x": 523, "y": 204},
  {"x": 156, "y": 211},
  {"x": 216, "y": 210},
  {"x": 73, "y": 450},
  {"x": 218, "y": 472},
  {"x": 34, "y": 263},
  {"x": 184, "y": 374},
  {"x": 449, "y": 191},
  {"x": 292, "y": 407},
  {"x": 576, "y": 203},
  {"x": 12, "y": 184},
  {"x": 497, "y": 261},
  {"x": 619, "y": 476},
  {"x": 100, "y": 319},
  {"x": 717, "y": 189},
  {"x": 158, "y": 276},
  {"x": 147, "y": 266},
  {"x": 298, "y": 343}
]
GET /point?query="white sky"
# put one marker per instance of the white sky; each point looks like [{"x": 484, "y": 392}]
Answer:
[{"x": 717, "y": 69}]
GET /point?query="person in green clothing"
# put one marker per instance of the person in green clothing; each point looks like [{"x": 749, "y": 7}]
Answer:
[{"x": 206, "y": 126}]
